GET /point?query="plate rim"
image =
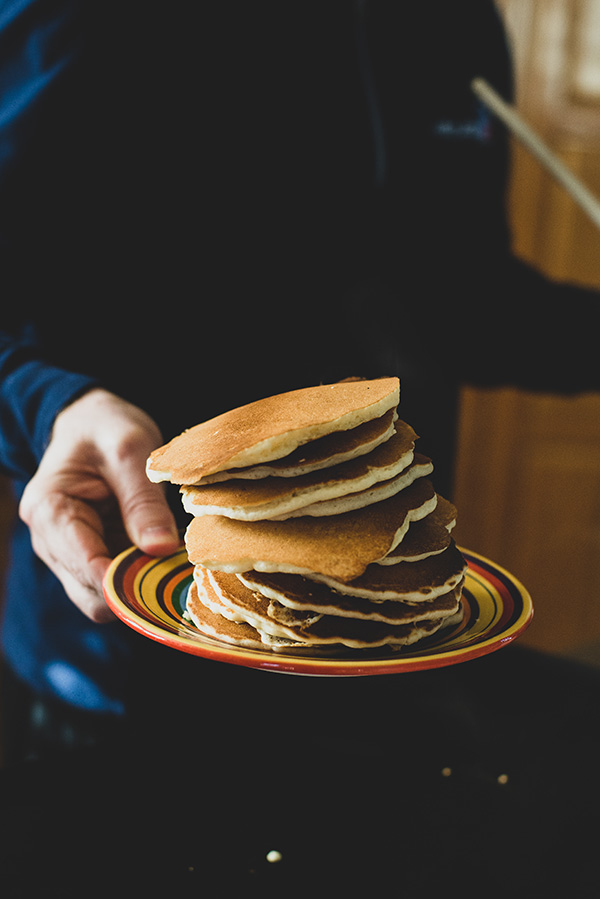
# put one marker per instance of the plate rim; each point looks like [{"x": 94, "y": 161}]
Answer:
[{"x": 327, "y": 666}]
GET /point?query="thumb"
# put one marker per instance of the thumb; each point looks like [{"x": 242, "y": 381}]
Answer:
[{"x": 147, "y": 518}]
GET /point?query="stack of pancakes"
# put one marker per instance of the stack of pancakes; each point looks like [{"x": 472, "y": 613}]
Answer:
[{"x": 315, "y": 523}]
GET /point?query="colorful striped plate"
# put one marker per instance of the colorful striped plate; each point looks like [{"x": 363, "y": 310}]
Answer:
[{"x": 149, "y": 595}]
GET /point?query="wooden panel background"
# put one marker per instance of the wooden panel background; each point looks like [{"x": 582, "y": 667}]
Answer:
[{"x": 528, "y": 465}]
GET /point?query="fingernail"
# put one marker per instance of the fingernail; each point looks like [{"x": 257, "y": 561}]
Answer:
[{"x": 159, "y": 535}]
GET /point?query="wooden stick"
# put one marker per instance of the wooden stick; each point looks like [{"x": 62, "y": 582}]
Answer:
[{"x": 580, "y": 193}]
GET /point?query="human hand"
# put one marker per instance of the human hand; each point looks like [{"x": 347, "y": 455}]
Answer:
[{"x": 90, "y": 496}]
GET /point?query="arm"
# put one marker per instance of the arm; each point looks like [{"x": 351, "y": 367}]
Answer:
[
  {"x": 81, "y": 449},
  {"x": 39, "y": 44},
  {"x": 86, "y": 449}
]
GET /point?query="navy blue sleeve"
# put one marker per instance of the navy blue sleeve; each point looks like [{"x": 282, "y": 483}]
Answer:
[{"x": 32, "y": 393}]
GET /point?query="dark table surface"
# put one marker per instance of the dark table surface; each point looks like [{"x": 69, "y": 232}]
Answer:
[{"x": 482, "y": 778}]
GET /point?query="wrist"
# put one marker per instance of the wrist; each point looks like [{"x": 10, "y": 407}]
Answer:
[
  {"x": 87, "y": 402},
  {"x": 103, "y": 418}
]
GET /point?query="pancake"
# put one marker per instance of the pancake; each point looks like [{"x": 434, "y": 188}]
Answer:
[
  {"x": 412, "y": 582},
  {"x": 392, "y": 612},
  {"x": 396, "y": 638},
  {"x": 321, "y": 453},
  {"x": 248, "y": 598},
  {"x": 426, "y": 537},
  {"x": 255, "y": 500},
  {"x": 211, "y": 619},
  {"x": 406, "y": 581},
  {"x": 270, "y": 428},
  {"x": 340, "y": 546},
  {"x": 353, "y": 633},
  {"x": 207, "y": 614},
  {"x": 292, "y": 597},
  {"x": 419, "y": 468}
]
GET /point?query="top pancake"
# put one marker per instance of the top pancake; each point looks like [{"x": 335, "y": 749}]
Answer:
[
  {"x": 324, "y": 452},
  {"x": 270, "y": 429}
]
